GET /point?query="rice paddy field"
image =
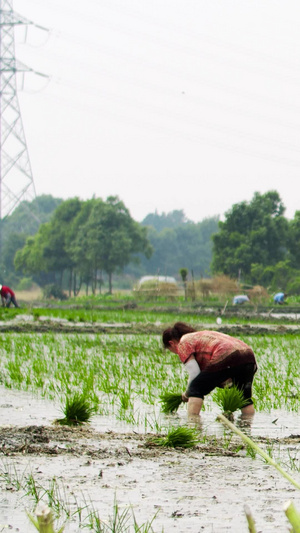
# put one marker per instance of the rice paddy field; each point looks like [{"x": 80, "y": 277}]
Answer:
[{"x": 108, "y": 475}]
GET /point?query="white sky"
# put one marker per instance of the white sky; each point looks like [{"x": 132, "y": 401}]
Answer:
[{"x": 169, "y": 104}]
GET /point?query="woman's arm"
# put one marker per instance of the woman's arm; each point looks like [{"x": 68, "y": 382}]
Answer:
[{"x": 193, "y": 370}]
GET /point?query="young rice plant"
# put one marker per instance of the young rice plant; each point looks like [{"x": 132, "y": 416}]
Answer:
[
  {"x": 181, "y": 437},
  {"x": 170, "y": 402},
  {"x": 230, "y": 399},
  {"x": 78, "y": 410}
]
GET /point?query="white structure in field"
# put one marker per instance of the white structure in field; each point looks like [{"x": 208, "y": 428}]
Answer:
[{"x": 158, "y": 279}]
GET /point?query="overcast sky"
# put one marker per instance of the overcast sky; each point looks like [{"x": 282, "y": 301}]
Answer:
[{"x": 169, "y": 104}]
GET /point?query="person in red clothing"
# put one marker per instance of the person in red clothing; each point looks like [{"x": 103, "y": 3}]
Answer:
[
  {"x": 7, "y": 296},
  {"x": 211, "y": 358}
]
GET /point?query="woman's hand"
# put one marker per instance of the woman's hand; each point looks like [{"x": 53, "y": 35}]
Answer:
[
  {"x": 226, "y": 384},
  {"x": 184, "y": 397}
]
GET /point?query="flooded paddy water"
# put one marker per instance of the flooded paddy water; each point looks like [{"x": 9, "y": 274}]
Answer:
[
  {"x": 87, "y": 470},
  {"x": 201, "y": 489}
]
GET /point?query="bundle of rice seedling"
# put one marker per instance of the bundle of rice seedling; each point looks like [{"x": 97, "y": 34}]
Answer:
[
  {"x": 77, "y": 410},
  {"x": 170, "y": 402},
  {"x": 181, "y": 437},
  {"x": 230, "y": 399}
]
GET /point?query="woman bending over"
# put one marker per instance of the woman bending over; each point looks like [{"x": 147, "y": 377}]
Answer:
[{"x": 211, "y": 358}]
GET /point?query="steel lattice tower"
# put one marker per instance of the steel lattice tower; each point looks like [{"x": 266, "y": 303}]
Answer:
[{"x": 16, "y": 180}]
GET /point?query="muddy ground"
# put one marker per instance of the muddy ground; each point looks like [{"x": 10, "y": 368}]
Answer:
[
  {"x": 200, "y": 489},
  {"x": 28, "y": 323}
]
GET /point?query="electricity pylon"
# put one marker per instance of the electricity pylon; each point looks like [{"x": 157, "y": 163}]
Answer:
[{"x": 16, "y": 180}]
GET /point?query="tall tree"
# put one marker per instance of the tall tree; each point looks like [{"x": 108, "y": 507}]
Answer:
[
  {"x": 84, "y": 266},
  {"x": 47, "y": 251},
  {"x": 253, "y": 233},
  {"x": 294, "y": 240},
  {"x": 85, "y": 238},
  {"x": 113, "y": 238}
]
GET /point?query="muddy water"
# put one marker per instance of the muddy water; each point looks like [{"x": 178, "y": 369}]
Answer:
[
  {"x": 21, "y": 408},
  {"x": 203, "y": 489}
]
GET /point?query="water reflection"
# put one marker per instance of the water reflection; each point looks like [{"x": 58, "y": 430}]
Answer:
[{"x": 23, "y": 408}]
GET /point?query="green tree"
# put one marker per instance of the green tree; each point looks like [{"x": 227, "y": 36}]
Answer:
[
  {"x": 47, "y": 251},
  {"x": 56, "y": 248},
  {"x": 29, "y": 259},
  {"x": 294, "y": 240},
  {"x": 85, "y": 270},
  {"x": 165, "y": 220},
  {"x": 113, "y": 238},
  {"x": 188, "y": 244},
  {"x": 85, "y": 238},
  {"x": 15, "y": 242},
  {"x": 24, "y": 221},
  {"x": 253, "y": 233},
  {"x": 28, "y": 216}
]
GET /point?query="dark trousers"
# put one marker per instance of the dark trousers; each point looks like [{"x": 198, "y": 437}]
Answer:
[
  {"x": 241, "y": 375},
  {"x": 11, "y": 299}
]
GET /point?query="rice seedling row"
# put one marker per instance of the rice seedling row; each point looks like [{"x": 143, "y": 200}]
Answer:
[
  {"x": 124, "y": 377},
  {"x": 145, "y": 316},
  {"x": 119, "y": 372}
]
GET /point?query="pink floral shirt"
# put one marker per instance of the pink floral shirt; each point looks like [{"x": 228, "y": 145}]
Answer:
[{"x": 211, "y": 348}]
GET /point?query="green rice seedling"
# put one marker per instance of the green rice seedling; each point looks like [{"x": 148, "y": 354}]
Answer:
[
  {"x": 152, "y": 422},
  {"x": 36, "y": 314},
  {"x": 170, "y": 402},
  {"x": 121, "y": 521},
  {"x": 227, "y": 438},
  {"x": 251, "y": 452},
  {"x": 10, "y": 475},
  {"x": 182, "y": 437},
  {"x": 78, "y": 410},
  {"x": 125, "y": 399},
  {"x": 230, "y": 399},
  {"x": 293, "y": 462},
  {"x": 33, "y": 488}
]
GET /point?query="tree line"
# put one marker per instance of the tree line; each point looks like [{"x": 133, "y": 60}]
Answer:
[
  {"x": 74, "y": 243},
  {"x": 87, "y": 242},
  {"x": 82, "y": 240}
]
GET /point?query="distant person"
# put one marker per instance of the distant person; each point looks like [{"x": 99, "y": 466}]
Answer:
[
  {"x": 7, "y": 296},
  {"x": 240, "y": 299},
  {"x": 280, "y": 297}
]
